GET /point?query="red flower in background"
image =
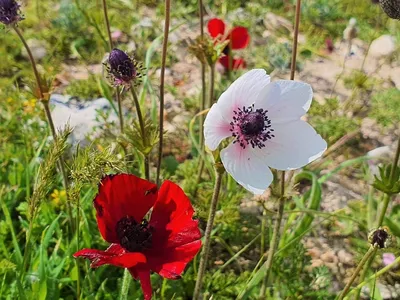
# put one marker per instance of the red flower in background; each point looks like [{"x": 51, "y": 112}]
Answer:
[
  {"x": 238, "y": 38},
  {"x": 165, "y": 244}
]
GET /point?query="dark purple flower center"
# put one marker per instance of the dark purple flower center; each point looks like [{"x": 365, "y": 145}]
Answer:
[
  {"x": 134, "y": 236},
  {"x": 379, "y": 237},
  {"x": 251, "y": 127},
  {"x": 121, "y": 66},
  {"x": 9, "y": 12}
]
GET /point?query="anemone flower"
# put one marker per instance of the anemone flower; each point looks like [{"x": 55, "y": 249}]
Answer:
[
  {"x": 262, "y": 119},
  {"x": 164, "y": 244},
  {"x": 238, "y": 38}
]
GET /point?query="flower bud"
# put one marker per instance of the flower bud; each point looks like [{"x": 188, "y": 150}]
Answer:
[
  {"x": 391, "y": 8},
  {"x": 9, "y": 12},
  {"x": 122, "y": 68},
  {"x": 380, "y": 238}
]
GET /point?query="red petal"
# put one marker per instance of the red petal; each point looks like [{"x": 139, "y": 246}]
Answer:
[
  {"x": 144, "y": 276},
  {"x": 239, "y": 37},
  {"x": 216, "y": 27},
  {"x": 120, "y": 196},
  {"x": 173, "y": 262},
  {"x": 114, "y": 255},
  {"x": 238, "y": 63},
  {"x": 172, "y": 218}
]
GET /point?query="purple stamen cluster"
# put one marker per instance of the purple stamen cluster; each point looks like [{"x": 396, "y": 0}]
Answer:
[
  {"x": 121, "y": 67},
  {"x": 9, "y": 12},
  {"x": 251, "y": 127}
]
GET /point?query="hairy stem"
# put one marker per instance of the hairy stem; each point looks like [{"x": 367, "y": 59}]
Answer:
[
  {"x": 162, "y": 79},
  {"x": 275, "y": 238},
  {"x": 111, "y": 46},
  {"x": 126, "y": 282},
  {"x": 142, "y": 132},
  {"x": 295, "y": 38},
  {"x": 46, "y": 106},
  {"x": 207, "y": 235},
  {"x": 371, "y": 251}
]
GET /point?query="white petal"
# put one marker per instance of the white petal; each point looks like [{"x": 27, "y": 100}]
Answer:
[
  {"x": 246, "y": 168},
  {"x": 216, "y": 128},
  {"x": 293, "y": 101},
  {"x": 295, "y": 145},
  {"x": 242, "y": 92}
]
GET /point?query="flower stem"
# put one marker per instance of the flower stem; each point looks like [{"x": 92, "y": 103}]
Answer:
[
  {"x": 46, "y": 106},
  {"x": 207, "y": 234},
  {"x": 111, "y": 46},
  {"x": 77, "y": 261},
  {"x": 162, "y": 78},
  {"x": 386, "y": 200},
  {"x": 126, "y": 282},
  {"x": 32, "y": 60},
  {"x": 143, "y": 133},
  {"x": 295, "y": 38},
  {"x": 371, "y": 251},
  {"x": 275, "y": 238}
]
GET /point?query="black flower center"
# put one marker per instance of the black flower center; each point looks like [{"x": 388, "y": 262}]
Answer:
[
  {"x": 251, "y": 127},
  {"x": 380, "y": 237},
  {"x": 252, "y": 124},
  {"x": 134, "y": 236}
]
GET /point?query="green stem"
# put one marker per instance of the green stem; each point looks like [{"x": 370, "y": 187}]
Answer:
[
  {"x": 46, "y": 106},
  {"x": 111, "y": 46},
  {"x": 275, "y": 238},
  {"x": 126, "y": 282},
  {"x": 371, "y": 251},
  {"x": 162, "y": 80},
  {"x": 207, "y": 234},
  {"x": 142, "y": 131},
  {"x": 77, "y": 261},
  {"x": 377, "y": 274},
  {"x": 295, "y": 38}
]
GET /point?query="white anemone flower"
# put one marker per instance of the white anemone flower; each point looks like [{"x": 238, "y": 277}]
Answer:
[{"x": 263, "y": 119}]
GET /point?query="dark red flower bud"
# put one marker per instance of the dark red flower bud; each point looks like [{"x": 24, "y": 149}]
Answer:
[
  {"x": 121, "y": 67},
  {"x": 9, "y": 12}
]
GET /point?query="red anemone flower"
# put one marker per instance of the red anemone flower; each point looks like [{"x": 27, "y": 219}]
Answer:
[
  {"x": 164, "y": 244},
  {"x": 238, "y": 38}
]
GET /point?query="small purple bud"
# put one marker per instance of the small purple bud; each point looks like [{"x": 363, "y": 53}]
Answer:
[
  {"x": 9, "y": 12},
  {"x": 122, "y": 68}
]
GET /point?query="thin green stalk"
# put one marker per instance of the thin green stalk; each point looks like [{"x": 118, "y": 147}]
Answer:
[
  {"x": 295, "y": 38},
  {"x": 207, "y": 234},
  {"x": 49, "y": 118},
  {"x": 77, "y": 261},
  {"x": 111, "y": 46},
  {"x": 275, "y": 234},
  {"x": 162, "y": 79},
  {"x": 371, "y": 251},
  {"x": 275, "y": 238},
  {"x": 377, "y": 274},
  {"x": 126, "y": 282},
  {"x": 386, "y": 200},
  {"x": 143, "y": 132}
]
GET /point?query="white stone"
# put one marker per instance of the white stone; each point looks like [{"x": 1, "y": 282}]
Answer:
[
  {"x": 82, "y": 118},
  {"x": 383, "y": 46},
  {"x": 37, "y": 48}
]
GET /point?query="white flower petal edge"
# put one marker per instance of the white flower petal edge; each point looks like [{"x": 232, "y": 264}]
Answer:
[
  {"x": 216, "y": 128},
  {"x": 243, "y": 92},
  {"x": 246, "y": 168},
  {"x": 295, "y": 145},
  {"x": 285, "y": 100}
]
